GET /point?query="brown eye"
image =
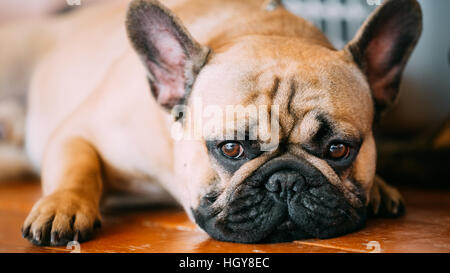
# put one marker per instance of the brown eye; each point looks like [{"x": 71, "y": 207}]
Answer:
[
  {"x": 337, "y": 151},
  {"x": 232, "y": 149}
]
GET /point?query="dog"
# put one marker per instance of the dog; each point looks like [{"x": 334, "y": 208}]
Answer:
[{"x": 104, "y": 104}]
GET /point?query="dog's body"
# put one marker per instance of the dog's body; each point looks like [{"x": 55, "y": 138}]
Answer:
[
  {"x": 49, "y": 106},
  {"x": 93, "y": 125}
]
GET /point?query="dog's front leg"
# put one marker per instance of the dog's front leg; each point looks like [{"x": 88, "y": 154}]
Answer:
[{"x": 72, "y": 187}]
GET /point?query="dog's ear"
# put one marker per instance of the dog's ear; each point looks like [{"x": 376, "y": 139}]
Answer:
[
  {"x": 383, "y": 45},
  {"x": 173, "y": 58}
]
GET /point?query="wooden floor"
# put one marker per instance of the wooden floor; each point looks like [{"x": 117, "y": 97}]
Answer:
[{"x": 425, "y": 228}]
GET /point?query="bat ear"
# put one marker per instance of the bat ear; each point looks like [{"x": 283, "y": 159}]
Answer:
[
  {"x": 383, "y": 45},
  {"x": 172, "y": 57}
]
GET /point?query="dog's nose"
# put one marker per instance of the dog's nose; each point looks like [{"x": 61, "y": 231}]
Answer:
[{"x": 285, "y": 181}]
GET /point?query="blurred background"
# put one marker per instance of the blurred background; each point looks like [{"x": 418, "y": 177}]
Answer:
[
  {"x": 414, "y": 138},
  {"x": 425, "y": 91}
]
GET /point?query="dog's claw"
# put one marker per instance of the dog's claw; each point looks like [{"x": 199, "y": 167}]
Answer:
[
  {"x": 56, "y": 239},
  {"x": 37, "y": 238},
  {"x": 25, "y": 231},
  {"x": 77, "y": 236},
  {"x": 55, "y": 223},
  {"x": 393, "y": 207}
]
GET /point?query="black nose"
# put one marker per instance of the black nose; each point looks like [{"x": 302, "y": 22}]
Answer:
[{"x": 284, "y": 182}]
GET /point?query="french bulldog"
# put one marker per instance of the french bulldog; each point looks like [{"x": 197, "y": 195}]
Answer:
[{"x": 106, "y": 103}]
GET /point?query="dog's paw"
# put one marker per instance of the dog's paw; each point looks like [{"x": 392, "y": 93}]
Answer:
[
  {"x": 60, "y": 218},
  {"x": 385, "y": 200}
]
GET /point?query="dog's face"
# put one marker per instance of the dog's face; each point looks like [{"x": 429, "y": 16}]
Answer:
[{"x": 315, "y": 181}]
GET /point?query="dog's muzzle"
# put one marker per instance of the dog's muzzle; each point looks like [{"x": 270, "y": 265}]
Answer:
[{"x": 284, "y": 200}]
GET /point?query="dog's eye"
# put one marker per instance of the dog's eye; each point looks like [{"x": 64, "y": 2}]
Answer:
[
  {"x": 232, "y": 150},
  {"x": 338, "y": 151}
]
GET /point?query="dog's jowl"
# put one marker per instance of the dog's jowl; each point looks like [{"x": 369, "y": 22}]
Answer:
[{"x": 102, "y": 114}]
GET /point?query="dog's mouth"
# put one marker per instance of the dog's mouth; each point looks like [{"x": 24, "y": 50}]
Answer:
[{"x": 286, "y": 205}]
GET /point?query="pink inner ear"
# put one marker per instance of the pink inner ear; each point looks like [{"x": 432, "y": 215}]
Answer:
[
  {"x": 169, "y": 71},
  {"x": 381, "y": 86},
  {"x": 170, "y": 48},
  {"x": 381, "y": 72}
]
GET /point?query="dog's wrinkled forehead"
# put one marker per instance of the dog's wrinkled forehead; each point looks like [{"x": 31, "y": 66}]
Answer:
[{"x": 297, "y": 76}]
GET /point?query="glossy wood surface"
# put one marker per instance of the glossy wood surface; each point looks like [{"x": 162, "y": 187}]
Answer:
[{"x": 425, "y": 228}]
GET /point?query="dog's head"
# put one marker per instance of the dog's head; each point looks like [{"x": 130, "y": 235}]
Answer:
[{"x": 319, "y": 104}]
